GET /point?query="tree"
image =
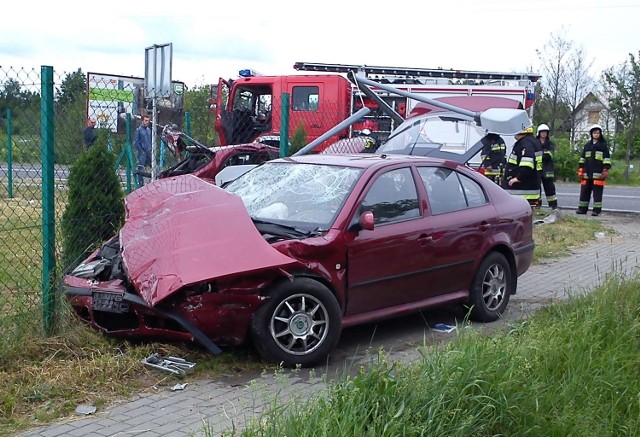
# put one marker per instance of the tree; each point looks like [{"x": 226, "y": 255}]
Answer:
[
  {"x": 95, "y": 207},
  {"x": 298, "y": 138},
  {"x": 72, "y": 88},
  {"x": 625, "y": 102},
  {"x": 554, "y": 73},
  {"x": 579, "y": 83},
  {"x": 197, "y": 103},
  {"x": 24, "y": 106},
  {"x": 70, "y": 115}
]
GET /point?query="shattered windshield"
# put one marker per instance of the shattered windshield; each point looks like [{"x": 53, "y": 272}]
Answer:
[
  {"x": 446, "y": 132},
  {"x": 307, "y": 196}
]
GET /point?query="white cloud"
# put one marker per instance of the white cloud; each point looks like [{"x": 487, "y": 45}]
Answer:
[{"x": 218, "y": 39}]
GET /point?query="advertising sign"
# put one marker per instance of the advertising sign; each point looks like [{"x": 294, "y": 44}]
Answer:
[{"x": 110, "y": 97}]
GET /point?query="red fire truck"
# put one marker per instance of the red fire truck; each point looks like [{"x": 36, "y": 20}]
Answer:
[{"x": 250, "y": 107}]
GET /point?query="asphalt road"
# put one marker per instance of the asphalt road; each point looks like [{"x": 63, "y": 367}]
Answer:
[{"x": 615, "y": 198}]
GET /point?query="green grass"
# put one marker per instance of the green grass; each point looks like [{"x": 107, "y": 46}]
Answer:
[
  {"x": 560, "y": 238},
  {"x": 570, "y": 370},
  {"x": 616, "y": 174}
]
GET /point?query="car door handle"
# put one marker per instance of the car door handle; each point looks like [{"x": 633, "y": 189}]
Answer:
[
  {"x": 425, "y": 239},
  {"x": 485, "y": 226}
]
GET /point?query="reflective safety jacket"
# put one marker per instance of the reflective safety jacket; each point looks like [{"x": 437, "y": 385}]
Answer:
[
  {"x": 521, "y": 164},
  {"x": 595, "y": 157},
  {"x": 548, "y": 150},
  {"x": 538, "y": 146},
  {"x": 493, "y": 154}
]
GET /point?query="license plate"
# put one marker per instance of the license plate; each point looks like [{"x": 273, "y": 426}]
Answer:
[{"x": 111, "y": 302}]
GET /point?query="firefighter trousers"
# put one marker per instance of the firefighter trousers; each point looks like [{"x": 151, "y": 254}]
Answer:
[
  {"x": 587, "y": 186},
  {"x": 550, "y": 192}
]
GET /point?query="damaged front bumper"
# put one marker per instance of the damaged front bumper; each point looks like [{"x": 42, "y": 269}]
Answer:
[
  {"x": 101, "y": 295},
  {"x": 124, "y": 314}
]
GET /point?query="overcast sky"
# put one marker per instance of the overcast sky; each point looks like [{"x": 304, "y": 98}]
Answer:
[{"x": 270, "y": 36}]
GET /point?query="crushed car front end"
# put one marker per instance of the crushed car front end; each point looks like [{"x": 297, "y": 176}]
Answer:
[{"x": 172, "y": 274}]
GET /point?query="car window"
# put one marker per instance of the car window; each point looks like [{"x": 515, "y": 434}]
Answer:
[
  {"x": 239, "y": 159},
  {"x": 444, "y": 189},
  {"x": 444, "y": 132},
  {"x": 473, "y": 191},
  {"x": 307, "y": 196},
  {"x": 392, "y": 197}
]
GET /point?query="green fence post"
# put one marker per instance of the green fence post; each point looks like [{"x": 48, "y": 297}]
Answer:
[
  {"x": 48, "y": 195},
  {"x": 284, "y": 126},
  {"x": 187, "y": 123},
  {"x": 9, "y": 155}
]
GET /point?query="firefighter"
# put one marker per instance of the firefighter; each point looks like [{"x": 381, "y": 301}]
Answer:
[
  {"x": 548, "y": 171},
  {"x": 593, "y": 168},
  {"x": 493, "y": 156},
  {"x": 521, "y": 177}
]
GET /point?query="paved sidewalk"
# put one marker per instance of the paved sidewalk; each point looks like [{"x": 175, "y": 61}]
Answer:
[{"x": 208, "y": 407}]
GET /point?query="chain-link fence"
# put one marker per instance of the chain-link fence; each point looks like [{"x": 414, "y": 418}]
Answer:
[{"x": 66, "y": 137}]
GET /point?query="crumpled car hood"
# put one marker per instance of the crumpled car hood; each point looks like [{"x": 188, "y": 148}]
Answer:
[{"x": 183, "y": 230}]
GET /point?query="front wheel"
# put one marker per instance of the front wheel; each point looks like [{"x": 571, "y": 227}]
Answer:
[
  {"x": 299, "y": 324},
  {"x": 491, "y": 288}
]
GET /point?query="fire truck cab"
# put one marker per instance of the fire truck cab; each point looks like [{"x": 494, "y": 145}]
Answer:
[{"x": 250, "y": 108}]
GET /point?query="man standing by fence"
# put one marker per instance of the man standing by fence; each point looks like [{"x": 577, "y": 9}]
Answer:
[
  {"x": 89, "y": 132},
  {"x": 142, "y": 143}
]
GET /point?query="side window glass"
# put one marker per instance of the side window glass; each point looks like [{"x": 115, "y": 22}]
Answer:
[
  {"x": 305, "y": 98},
  {"x": 392, "y": 197},
  {"x": 239, "y": 159},
  {"x": 443, "y": 188},
  {"x": 473, "y": 192}
]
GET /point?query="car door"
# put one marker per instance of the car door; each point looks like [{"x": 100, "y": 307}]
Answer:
[
  {"x": 459, "y": 219},
  {"x": 387, "y": 264}
]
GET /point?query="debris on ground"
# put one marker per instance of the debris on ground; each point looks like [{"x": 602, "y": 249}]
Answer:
[
  {"x": 85, "y": 410},
  {"x": 553, "y": 217},
  {"x": 173, "y": 365},
  {"x": 443, "y": 327}
]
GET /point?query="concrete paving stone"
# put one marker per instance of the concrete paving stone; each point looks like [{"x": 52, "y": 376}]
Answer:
[
  {"x": 166, "y": 414},
  {"x": 141, "y": 411},
  {"x": 60, "y": 430},
  {"x": 140, "y": 401},
  {"x": 177, "y": 424},
  {"x": 160, "y": 403},
  {"x": 142, "y": 432},
  {"x": 137, "y": 419},
  {"x": 114, "y": 427},
  {"x": 89, "y": 428}
]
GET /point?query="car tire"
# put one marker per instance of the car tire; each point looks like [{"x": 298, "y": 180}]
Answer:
[
  {"x": 298, "y": 325},
  {"x": 491, "y": 288}
]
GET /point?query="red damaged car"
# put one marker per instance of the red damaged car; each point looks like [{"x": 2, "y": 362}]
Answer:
[{"x": 297, "y": 249}]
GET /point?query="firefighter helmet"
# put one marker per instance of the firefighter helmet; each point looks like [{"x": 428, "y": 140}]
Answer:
[
  {"x": 594, "y": 127},
  {"x": 528, "y": 130},
  {"x": 541, "y": 128}
]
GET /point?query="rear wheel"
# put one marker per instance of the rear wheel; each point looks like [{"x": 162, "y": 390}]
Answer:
[
  {"x": 299, "y": 324},
  {"x": 491, "y": 288}
]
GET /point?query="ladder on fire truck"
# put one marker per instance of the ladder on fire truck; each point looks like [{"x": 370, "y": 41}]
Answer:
[
  {"x": 400, "y": 75},
  {"x": 462, "y": 81}
]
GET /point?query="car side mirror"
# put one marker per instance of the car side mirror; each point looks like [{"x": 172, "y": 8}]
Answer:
[{"x": 365, "y": 221}]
